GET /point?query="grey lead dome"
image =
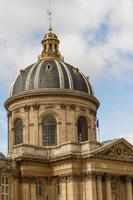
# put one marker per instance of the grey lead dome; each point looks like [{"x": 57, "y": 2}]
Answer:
[{"x": 50, "y": 74}]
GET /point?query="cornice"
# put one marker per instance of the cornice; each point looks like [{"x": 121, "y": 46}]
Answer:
[{"x": 51, "y": 93}]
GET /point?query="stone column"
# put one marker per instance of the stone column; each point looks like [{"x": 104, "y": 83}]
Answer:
[
  {"x": 99, "y": 188},
  {"x": 33, "y": 189},
  {"x": 72, "y": 188},
  {"x": 129, "y": 188},
  {"x": 16, "y": 188},
  {"x": 64, "y": 188},
  {"x": 26, "y": 138},
  {"x": 12, "y": 188},
  {"x": 91, "y": 189},
  {"x": 26, "y": 189},
  {"x": 108, "y": 188},
  {"x": 36, "y": 125}
]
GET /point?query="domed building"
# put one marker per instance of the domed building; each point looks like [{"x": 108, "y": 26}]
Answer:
[{"x": 53, "y": 152}]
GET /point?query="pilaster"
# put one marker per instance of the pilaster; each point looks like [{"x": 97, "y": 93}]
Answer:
[
  {"x": 99, "y": 188},
  {"x": 33, "y": 189},
  {"x": 129, "y": 188},
  {"x": 108, "y": 188},
  {"x": 91, "y": 190}
]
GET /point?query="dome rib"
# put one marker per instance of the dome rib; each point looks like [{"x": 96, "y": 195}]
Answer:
[
  {"x": 69, "y": 76},
  {"x": 28, "y": 79},
  {"x": 61, "y": 76},
  {"x": 37, "y": 73}
]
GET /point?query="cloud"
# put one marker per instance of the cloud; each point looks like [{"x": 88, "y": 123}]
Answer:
[
  {"x": 92, "y": 34},
  {"x": 95, "y": 35}
]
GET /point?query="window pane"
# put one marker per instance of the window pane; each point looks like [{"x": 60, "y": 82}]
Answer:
[
  {"x": 49, "y": 131},
  {"x": 6, "y": 189},
  {"x": 18, "y": 129},
  {"x": 39, "y": 188},
  {"x": 2, "y": 189},
  {"x": 82, "y": 129},
  {"x": 3, "y": 180},
  {"x": 6, "y": 180}
]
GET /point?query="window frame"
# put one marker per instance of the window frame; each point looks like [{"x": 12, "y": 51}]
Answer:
[
  {"x": 82, "y": 126},
  {"x": 18, "y": 132},
  {"x": 49, "y": 131},
  {"x": 39, "y": 188},
  {"x": 4, "y": 188}
]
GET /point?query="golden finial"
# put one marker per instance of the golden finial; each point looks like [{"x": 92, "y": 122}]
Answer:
[{"x": 50, "y": 42}]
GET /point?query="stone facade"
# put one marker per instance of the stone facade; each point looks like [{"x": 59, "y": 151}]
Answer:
[{"x": 73, "y": 168}]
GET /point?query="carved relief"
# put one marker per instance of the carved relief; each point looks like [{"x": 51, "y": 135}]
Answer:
[
  {"x": 36, "y": 106},
  {"x": 49, "y": 106},
  {"x": 72, "y": 107},
  {"x": 17, "y": 111},
  {"x": 118, "y": 152},
  {"x": 115, "y": 186},
  {"x": 27, "y": 108},
  {"x": 83, "y": 109},
  {"x": 63, "y": 106}
]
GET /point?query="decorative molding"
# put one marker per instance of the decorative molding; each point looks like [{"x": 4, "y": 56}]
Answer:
[
  {"x": 31, "y": 124},
  {"x": 63, "y": 106},
  {"x": 16, "y": 111},
  {"x": 68, "y": 123},
  {"x": 9, "y": 114},
  {"x": 129, "y": 178},
  {"x": 119, "y": 152},
  {"x": 72, "y": 107},
  {"x": 83, "y": 109},
  {"x": 49, "y": 106},
  {"x": 48, "y": 180},
  {"x": 26, "y": 108},
  {"x": 36, "y": 106}
]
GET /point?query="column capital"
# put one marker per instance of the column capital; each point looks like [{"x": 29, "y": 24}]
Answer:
[{"x": 129, "y": 178}]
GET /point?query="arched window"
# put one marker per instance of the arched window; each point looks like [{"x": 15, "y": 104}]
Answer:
[
  {"x": 49, "y": 131},
  {"x": 82, "y": 127},
  {"x": 18, "y": 131}
]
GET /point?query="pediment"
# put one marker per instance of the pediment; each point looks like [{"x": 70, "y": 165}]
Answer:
[{"x": 119, "y": 150}]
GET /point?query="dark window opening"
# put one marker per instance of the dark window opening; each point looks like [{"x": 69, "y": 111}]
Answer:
[
  {"x": 18, "y": 131},
  {"x": 82, "y": 129}
]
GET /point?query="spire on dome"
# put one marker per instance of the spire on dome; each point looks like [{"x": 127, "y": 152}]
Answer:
[
  {"x": 50, "y": 15},
  {"x": 50, "y": 42}
]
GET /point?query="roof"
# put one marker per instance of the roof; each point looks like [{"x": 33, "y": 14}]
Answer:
[{"x": 50, "y": 74}]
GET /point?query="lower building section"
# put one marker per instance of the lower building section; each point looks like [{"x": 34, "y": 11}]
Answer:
[{"x": 83, "y": 186}]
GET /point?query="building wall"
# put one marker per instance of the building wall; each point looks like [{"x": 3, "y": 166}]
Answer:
[{"x": 65, "y": 110}]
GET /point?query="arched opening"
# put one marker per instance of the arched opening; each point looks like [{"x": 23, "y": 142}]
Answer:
[
  {"x": 55, "y": 47},
  {"x": 45, "y": 46},
  {"x": 18, "y": 131},
  {"x": 82, "y": 127},
  {"x": 49, "y": 131},
  {"x": 50, "y": 47}
]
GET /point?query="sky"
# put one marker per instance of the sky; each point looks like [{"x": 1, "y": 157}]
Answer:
[{"x": 96, "y": 36}]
